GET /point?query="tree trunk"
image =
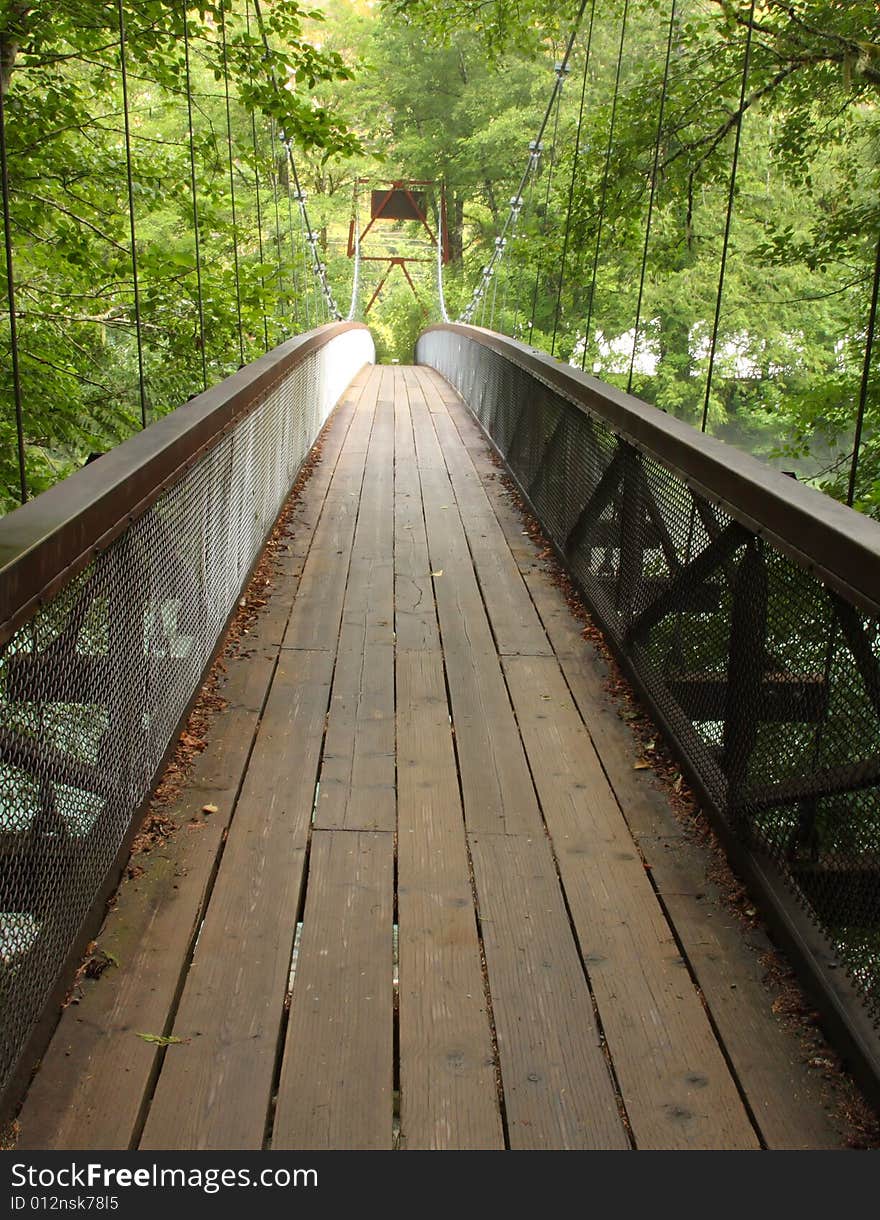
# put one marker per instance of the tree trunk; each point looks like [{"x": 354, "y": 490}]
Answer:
[{"x": 14, "y": 28}]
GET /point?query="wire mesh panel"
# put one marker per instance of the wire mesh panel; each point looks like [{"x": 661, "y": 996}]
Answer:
[
  {"x": 767, "y": 677},
  {"x": 93, "y": 685}
]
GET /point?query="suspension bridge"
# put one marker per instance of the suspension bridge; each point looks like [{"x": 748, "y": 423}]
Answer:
[{"x": 418, "y": 887}]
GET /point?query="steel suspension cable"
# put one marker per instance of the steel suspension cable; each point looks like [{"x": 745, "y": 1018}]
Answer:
[
  {"x": 10, "y": 298},
  {"x": 574, "y": 167},
  {"x": 274, "y": 142},
  {"x": 512, "y": 241},
  {"x": 863, "y": 389},
  {"x": 728, "y": 219},
  {"x": 319, "y": 267},
  {"x": 195, "y": 200},
  {"x": 604, "y": 191},
  {"x": 657, "y": 143},
  {"x": 142, "y": 386},
  {"x": 441, "y": 250},
  {"x": 534, "y": 147},
  {"x": 527, "y": 207},
  {"x": 259, "y": 208},
  {"x": 561, "y": 71},
  {"x": 231, "y": 159},
  {"x": 291, "y": 232},
  {"x": 303, "y": 243},
  {"x": 356, "y": 274}
]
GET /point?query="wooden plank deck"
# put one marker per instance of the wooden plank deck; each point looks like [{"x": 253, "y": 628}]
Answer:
[{"x": 437, "y": 907}]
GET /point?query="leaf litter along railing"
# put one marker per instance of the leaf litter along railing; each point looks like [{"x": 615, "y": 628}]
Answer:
[
  {"x": 115, "y": 587},
  {"x": 747, "y": 609}
]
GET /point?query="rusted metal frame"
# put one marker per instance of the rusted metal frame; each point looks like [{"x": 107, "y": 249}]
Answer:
[
  {"x": 49, "y": 540},
  {"x": 745, "y": 666},
  {"x": 829, "y": 781},
  {"x": 599, "y": 499},
  {"x": 398, "y": 185},
  {"x": 549, "y": 450},
  {"x": 30, "y": 754},
  {"x": 836, "y": 544},
  {"x": 858, "y": 645},
  {"x": 783, "y": 698},
  {"x": 396, "y": 260},
  {"x": 519, "y": 428},
  {"x": 631, "y": 527},
  {"x": 689, "y": 577}
]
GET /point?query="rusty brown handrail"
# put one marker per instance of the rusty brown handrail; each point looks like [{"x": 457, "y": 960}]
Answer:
[
  {"x": 840, "y": 546},
  {"x": 46, "y": 541}
]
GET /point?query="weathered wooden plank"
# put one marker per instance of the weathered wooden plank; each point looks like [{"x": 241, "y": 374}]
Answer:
[
  {"x": 357, "y": 777},
  {"x": 296, "y": 541},
  {"x": 337, "y": 1075},
  {"x": 447, "y": 1079},
  {"x": 558, "y": 1091},
  {"x": 315, "y": 620},
  {"x": 515, "y": 622},
  {"x": 784, "y": 1097},
  {"x": 357, "y": 774},
  {"x": 96, "y": 1074},
  {"x": 498, "y": 792},
  {"x": 215, "y": 1086},
  {"x": 676, "y": 1086},
  {"x": 441, "y": 385},
  {"x": 428, "y": 452},
  {"x": 415, "y": 615}
]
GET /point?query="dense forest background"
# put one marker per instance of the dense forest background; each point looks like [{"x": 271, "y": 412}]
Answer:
[{"x": 450, "y": 91}]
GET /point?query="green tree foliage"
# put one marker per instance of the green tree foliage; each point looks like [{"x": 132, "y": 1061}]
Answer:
[
  {"x": 452, "y": 91},
  {"x": 69, "y": 218},
  {"x": 805, "y": 222}
]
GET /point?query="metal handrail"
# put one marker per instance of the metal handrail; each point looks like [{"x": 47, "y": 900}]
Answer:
[
  {"x": 52, "y": 537},
  {"x": 745, "y": 609},
  {"x": 834, "y": 542}
]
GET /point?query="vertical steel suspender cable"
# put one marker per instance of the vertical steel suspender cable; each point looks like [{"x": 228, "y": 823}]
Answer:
[
  {"x": 494, "y": 299},
  {"x": 293, "y": 271},
  {"x": 527, "y": 207},
  {"x": 441, "y": 251},
  {"x": 231, "y": 185},
  {"x": 306, "y": 268},
  {"x": 272, "y": 135},
  {"x": 142, "y": 386},
  {"x": 657, "y": 142},
  {"x": 574, "y": 166},
  {"x": 561, "y": 72},
  {"x": 863, "y": 389},
  {"x": 247, "y": 18},
  {"x": 195, "y": 200},
  {"x": 356, "y": 273},
  {"x": 604, "y": 191},
  {"x": 534, "y": 155},
  {"x": 730, "y": 197},
  {"x": 10, "y": 297},
  {"x": 319, "y": 267},
  {"x": 260, "y": 228}
]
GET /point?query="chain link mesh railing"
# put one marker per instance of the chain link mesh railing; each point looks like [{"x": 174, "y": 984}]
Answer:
[
  {"x": 94, "y": 684},
  {"x": 700, "y": 567}
]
